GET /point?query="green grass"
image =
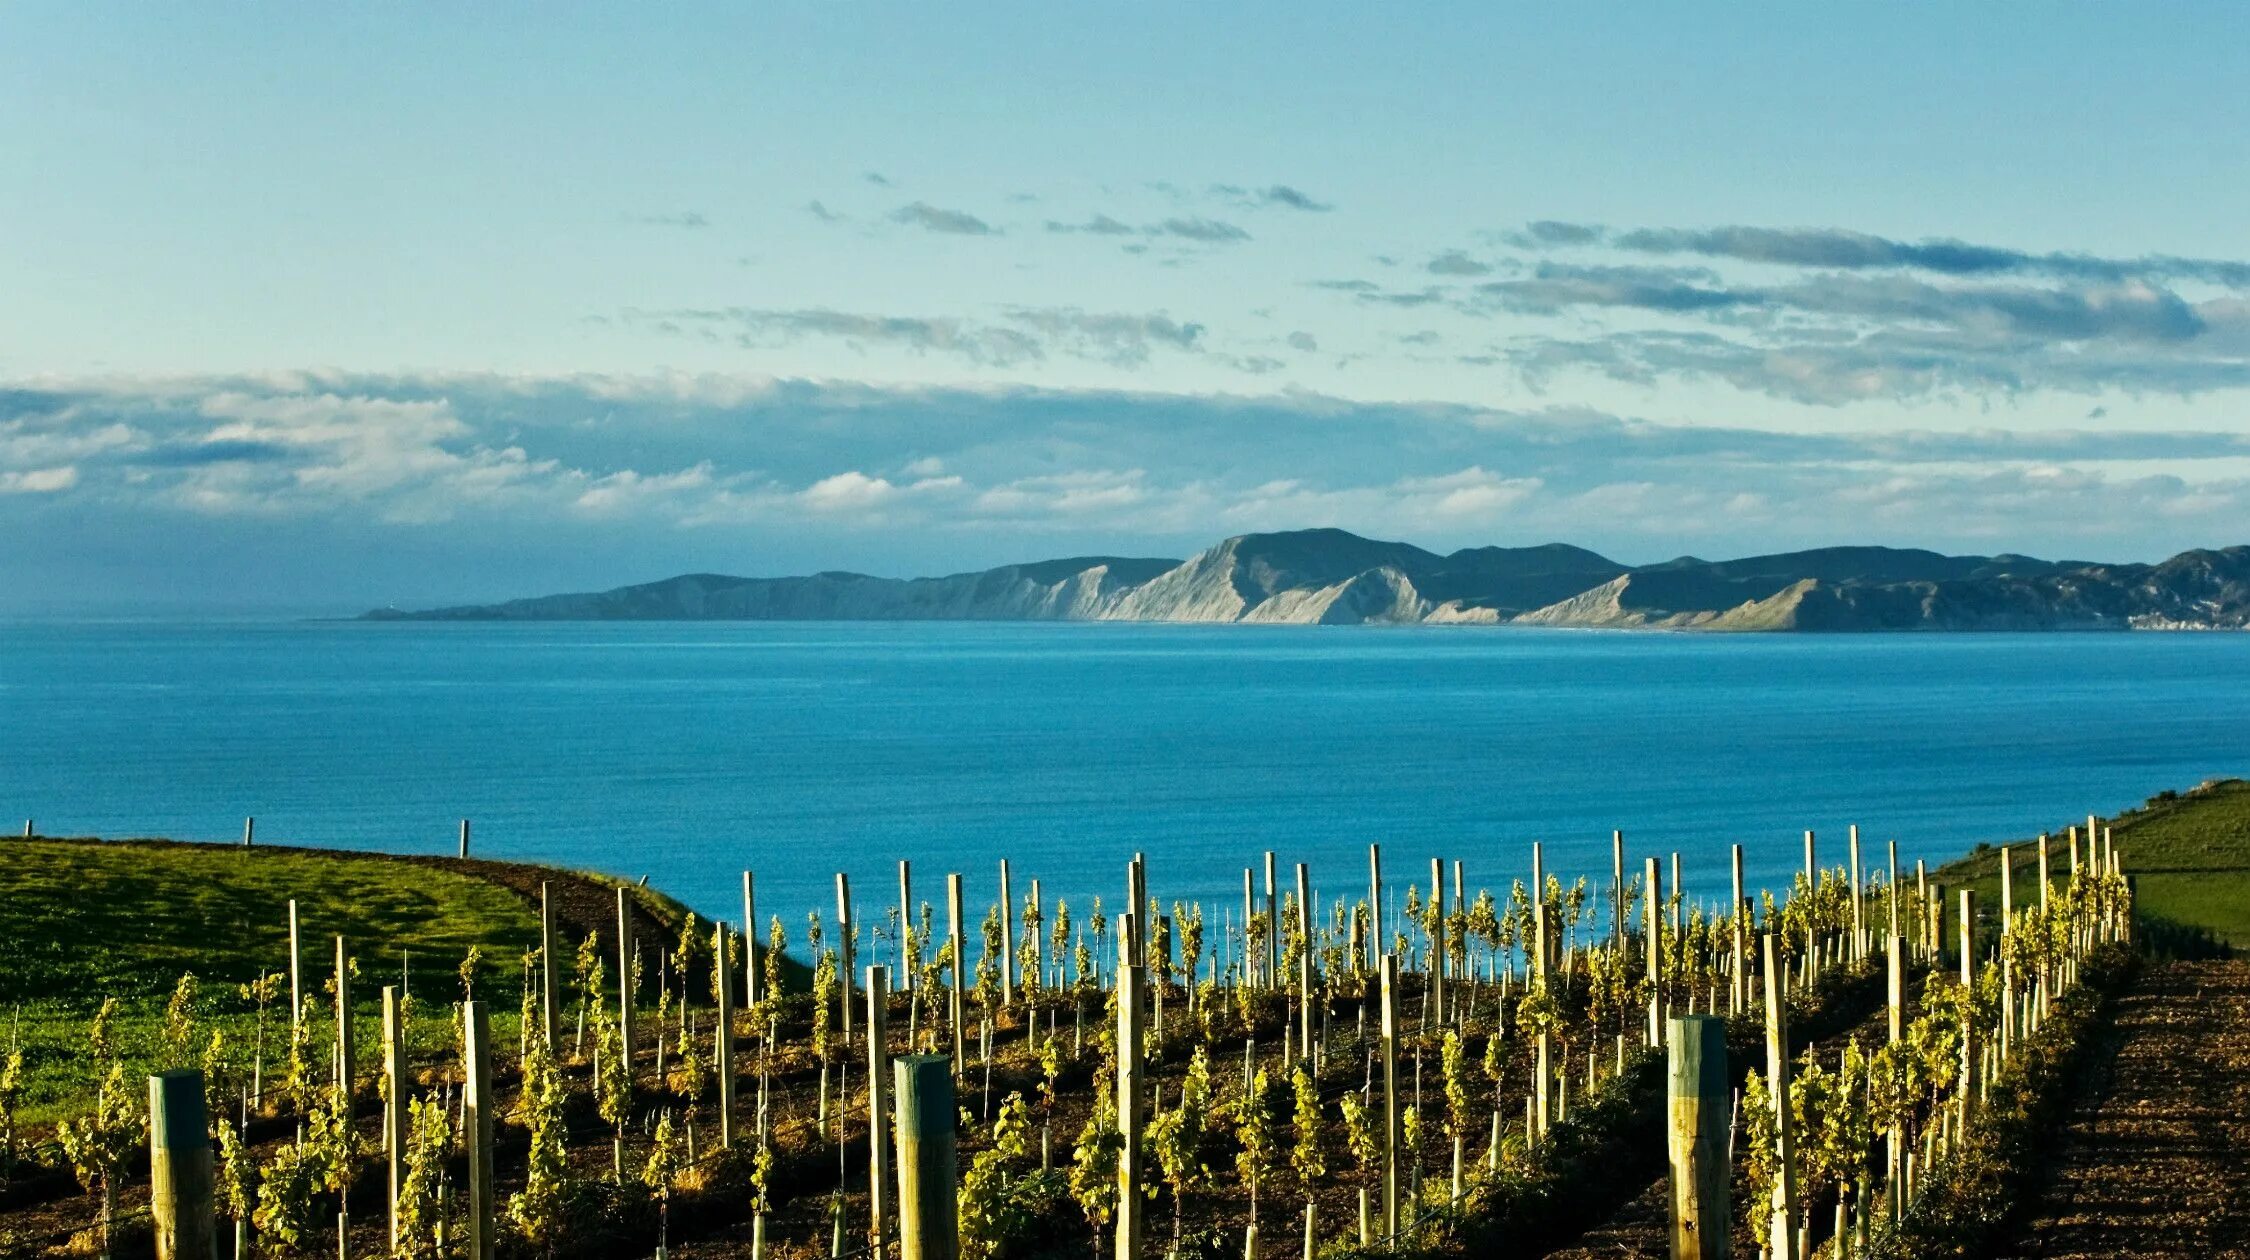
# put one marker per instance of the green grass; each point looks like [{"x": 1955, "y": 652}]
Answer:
[
  {"x": 2188, "y": 854},
  {"x": 83, "y": 919}
]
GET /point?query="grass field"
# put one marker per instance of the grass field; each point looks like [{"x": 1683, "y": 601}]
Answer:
[
  {"x": 81, "y": 920},
  {"x": 2187, "y": 852}
]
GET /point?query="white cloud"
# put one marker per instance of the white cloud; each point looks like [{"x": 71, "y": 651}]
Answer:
[{"x": 39, "y": 480}]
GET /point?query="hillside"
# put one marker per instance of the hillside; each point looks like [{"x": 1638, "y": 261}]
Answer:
[{"x": 1331, "y": 577}]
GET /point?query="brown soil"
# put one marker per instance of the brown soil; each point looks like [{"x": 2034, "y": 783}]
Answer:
[{"x": 2157, "y": 1156}]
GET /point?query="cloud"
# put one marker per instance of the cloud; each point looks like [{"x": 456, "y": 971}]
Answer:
[
  {"x": 1023, "y": 335},
  {"x": 1454, "y": 262},
  {"x": 39, "y": 480},
  {"x": 1302, "y": 340},
  {"x": 676, "y": 219},
  {"x": 1192, "y": 228},
  {"x": 1210, "y": 231},
  {"x": 576, "y": 482},
  {"x": 879, "y": 179},
  {"x": 1842, "y": 249},
  {"x": 823, "y": 213},
  {"x": 1098, "y": 225},
  {"x": 929, "y": 218},
  {"x": 1272, "y": 196}
]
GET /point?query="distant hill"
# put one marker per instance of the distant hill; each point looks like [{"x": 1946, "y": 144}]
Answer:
[{"x": 1329, "y": 576}]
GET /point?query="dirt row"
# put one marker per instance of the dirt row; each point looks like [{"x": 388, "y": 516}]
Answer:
[{"x": 2156, "y": 1160}]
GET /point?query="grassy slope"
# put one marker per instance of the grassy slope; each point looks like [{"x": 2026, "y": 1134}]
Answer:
[
  {"x": 81, "y": 920},
  {"x": 2189, "y": 855}
]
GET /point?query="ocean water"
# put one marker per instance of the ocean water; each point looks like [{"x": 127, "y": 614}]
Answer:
[{"x": 688, "y": 752}]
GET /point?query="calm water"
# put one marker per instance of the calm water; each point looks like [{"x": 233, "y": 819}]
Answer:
[{"x": 687, "y": 752}]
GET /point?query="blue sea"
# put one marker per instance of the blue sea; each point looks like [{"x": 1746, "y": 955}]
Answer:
[{"x": 687, "y": 752}]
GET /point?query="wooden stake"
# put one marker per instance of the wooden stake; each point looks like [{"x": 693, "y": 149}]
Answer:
[
  {"x": 477, "y": 1103},
  {"x": 723, "y": 1036},
  {"x": 960, "y": 1002},
  {"x": 345, "y": 1050},
  {"x": 750, "y": 942},
  {"x": 1617, "y": 887},
  {"x": 1736, "y": 997},
  {"x": 1697, "y": 1089},
  {"x": 464, "y": 838},
  {"x": 1437, "y": 937},
  {"x": 625, "y": 984},
  {"x": 878, "y": 1102},
  {"x": 1655, "y": 936},
  {"x": 550, "y": 986},
  {"x": 1968, "y": 978},
  {"x": 906, "y": 925},
  {"x": 249, "y": 831},
  {"x": 928, "y": 1215},
  {"x": 1008, "y": 939},
  {"x": 296, "y": 967},
  {"x": 1781, "y": 1233},
  {"x": 181, "y": 1178},
  {"x": 1304, "y": 961},
  {"x": 1374, "y": 903},
  {"x": 844, "y": 944},
  {"x": 1391, "y": 1117},
  {"x": 1131, "y": 1123},
  {"x": 394, "y": 1100}
]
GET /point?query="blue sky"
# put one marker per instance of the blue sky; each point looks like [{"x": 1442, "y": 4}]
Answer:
[{"x": 315, "y": 309}]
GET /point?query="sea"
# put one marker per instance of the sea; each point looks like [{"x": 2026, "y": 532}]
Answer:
[{"x": 689, "y": 752}]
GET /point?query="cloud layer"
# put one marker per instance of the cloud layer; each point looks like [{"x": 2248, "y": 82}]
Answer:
[{"x": 497, "y": 486}]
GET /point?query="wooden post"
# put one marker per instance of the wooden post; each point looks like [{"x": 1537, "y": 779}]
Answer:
[
  {"x": 249, "y": 832},
  {"x": 1249, "y": 959},
  {"x": 2007, "y": 964},
  {"x": 1859, "y": 950},
  {"x": 1897, "y": 988},
  {"x": 625, "y": 984},
  {"x": 1617, "y": 887},
  {"x": 296, "y": 967},
  {"x": 464, "y": 838},
  {"x": 878, "y": 1101},
  {"x": 1131, "y": 986},
  {"x": 550, "y": 984},
  {"x": 1781, "y": 1230},
  {"x": 1922, "y": 899},
  {"x": 960, "y": 1002},
  {"x": 1304, "y": 962},
  {"x": 844, "y": 945},
  {"x": 906, "y": 925},
  {"x": 750, "y": 942},
  {"x": 1391, "y": 1117},
  {"x": 1437, "y": 938},
  {"x": 1893, "y": 887},
  {"x": 1538, "y": 912},
  {"x": 928, "y": 1216},
  {"x": 1273, "y": 928},
  {"x": 1679, "y": 908},
  {"x": 1654, "y": 875},
  {"x": 1737, "y": 998},
  {"x": 477, "y": 1104},
  {"x": 723, "y": 1036},
  {"x": 1700, "y": 1101},
  {"x": 180, "y": 1172},
  {"x": 394, "y": 1101},
  {"x": 1007, "y": 939},
  {"x": 1374, "y": 905},
  {"x": 1968, "y": 978},
  {"x": 345, "y": 1050}
]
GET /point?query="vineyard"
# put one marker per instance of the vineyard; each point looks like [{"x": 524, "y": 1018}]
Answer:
[{"x": 1420, "y": 1067}]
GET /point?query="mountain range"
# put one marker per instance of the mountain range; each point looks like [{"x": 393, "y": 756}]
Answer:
[{"x": 1331, "y": 577}]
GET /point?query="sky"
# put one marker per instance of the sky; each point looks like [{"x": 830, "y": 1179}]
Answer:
[{"x": 314, "y": 309}]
